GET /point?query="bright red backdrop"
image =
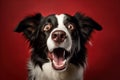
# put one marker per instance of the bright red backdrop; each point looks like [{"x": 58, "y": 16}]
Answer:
[{"x": 103, "y": 56}]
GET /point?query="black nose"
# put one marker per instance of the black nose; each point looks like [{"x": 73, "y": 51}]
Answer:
[{"x": 58, "y": 36}]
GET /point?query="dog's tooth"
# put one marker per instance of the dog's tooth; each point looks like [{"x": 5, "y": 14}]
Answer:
[
  {"x": 64, "y": 54},
  {"x": 64, "y": 61}
]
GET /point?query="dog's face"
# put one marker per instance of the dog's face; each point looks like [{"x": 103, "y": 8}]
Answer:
[{"x": 58, "y": 38}]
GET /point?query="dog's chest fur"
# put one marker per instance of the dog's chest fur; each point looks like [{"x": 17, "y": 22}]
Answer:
[{"x": 48, "y": 73}]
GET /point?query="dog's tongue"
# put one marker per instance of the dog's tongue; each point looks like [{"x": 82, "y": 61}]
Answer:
[{"x": 58, "y": 58}]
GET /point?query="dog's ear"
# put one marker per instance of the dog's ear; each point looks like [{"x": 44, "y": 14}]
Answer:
[
  {"x": 87, "y": 25},
  {"x": 28, "y": 25}
]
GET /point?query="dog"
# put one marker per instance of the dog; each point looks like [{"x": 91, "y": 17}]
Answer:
[{"x": 57, "y": 44}]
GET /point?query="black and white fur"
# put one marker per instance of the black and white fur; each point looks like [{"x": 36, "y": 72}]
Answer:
[{"x": 57, "y": 44}]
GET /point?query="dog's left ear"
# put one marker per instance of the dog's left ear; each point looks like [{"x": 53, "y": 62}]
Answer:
[
  {"x": 87, "y": 25},
  {"x": 28, "y": 25}
]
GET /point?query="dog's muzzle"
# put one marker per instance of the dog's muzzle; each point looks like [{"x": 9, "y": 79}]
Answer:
[{"x": 59, "y": 47}]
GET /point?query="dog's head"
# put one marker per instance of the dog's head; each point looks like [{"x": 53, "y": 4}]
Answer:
[{"x": 59, "y": 39}]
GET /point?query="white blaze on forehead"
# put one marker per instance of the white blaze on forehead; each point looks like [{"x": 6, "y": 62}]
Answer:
[
  {"x": 67, "y": 42},
  {"x": 60, "y": 19}
]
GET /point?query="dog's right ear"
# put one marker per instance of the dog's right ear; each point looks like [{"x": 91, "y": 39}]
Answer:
[
  {"x": 28, "y": 25},
  {"x": 87, "y": 25}
]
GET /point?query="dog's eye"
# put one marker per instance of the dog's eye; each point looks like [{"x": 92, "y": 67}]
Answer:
[
  {"x": 71, "y": 26},
  {"x": 47, "y": 27}
]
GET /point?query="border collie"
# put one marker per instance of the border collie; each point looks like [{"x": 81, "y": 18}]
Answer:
[{"x": 57, "y": 45}]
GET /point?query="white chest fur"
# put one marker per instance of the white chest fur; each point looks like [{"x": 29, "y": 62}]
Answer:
[{"x": 48, "y": 73}]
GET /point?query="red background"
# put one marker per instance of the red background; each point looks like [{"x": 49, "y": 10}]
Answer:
[{"x": 103, "y": 56}]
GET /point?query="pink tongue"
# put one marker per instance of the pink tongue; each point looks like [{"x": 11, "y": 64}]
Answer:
[{"x": 58, "y": 60}]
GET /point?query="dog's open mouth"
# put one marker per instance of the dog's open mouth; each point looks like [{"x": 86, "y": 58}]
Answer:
[{"x": 58, "y": 58}]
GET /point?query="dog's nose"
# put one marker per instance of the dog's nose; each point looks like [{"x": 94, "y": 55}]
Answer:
[{"x": 58, "y": 36}]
